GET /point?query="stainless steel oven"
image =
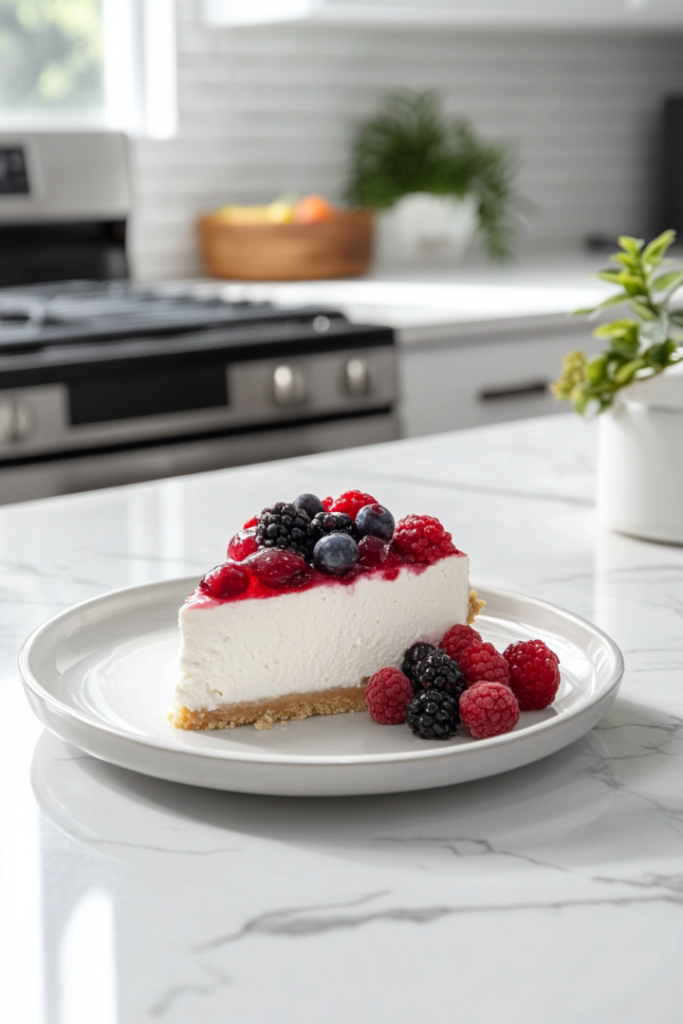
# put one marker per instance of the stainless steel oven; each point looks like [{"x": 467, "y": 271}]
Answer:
[{"x": 103, "y": 381}]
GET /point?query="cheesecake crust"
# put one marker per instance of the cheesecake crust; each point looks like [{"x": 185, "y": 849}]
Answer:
[
  {"x": 474, "y": 606},
  {"x": 264, "y": 713}
]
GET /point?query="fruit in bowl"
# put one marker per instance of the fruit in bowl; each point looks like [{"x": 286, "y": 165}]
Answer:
[{"x": 286, "y": 209}]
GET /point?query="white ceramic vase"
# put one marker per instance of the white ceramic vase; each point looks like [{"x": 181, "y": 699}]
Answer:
[
  {"x": 425, "y": 230},
  {"x": 640, "y": 460}
]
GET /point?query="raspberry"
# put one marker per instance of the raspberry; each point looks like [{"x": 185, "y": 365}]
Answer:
[
  {"x": 243, "y": 544},
  {"x": 228, "y": 580},
  {"x": 422, "y": 539},
  {"x": 327, "y": 504},
  {"x": 457, "y": 639},
  {"x": 534, "y": 675},
  {"x": 250, "y": 522},
  {"x": 352, "y": 502},
  {"x": 482, "y": 661},
  {"x": 387, "y": 696},
  {"x": 489, "y": 709}
]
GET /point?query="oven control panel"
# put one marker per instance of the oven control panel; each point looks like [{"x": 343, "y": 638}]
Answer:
[{"x": 96, "y": 412}]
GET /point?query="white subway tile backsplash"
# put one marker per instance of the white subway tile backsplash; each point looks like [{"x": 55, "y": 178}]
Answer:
[{"x": 268, "y": 109}]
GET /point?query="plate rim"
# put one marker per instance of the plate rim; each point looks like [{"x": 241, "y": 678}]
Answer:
[{"x": 270, "y": 759}]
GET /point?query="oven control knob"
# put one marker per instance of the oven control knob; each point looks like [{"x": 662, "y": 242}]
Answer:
[
  {"x": 15, "y": 420},
  {"x": 289, "y": 386},
  {"x": 357, "y": 378}
]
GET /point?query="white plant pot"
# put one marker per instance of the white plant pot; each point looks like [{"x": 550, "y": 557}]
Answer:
[
  {"x": 422, "y": 229},
  {"x": 640, "y": 460}
]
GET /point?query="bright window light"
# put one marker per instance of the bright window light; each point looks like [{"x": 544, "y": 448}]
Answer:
[{"x": 99, "y": 63}]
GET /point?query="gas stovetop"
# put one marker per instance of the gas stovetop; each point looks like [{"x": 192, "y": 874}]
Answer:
[{"x": 36, "y": 317}]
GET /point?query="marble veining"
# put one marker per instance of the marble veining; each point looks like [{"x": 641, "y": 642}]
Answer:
[{"x": 188, "y": 904}]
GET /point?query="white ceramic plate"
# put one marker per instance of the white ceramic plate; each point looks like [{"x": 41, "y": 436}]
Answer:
[{"x": 101, "y": 676}]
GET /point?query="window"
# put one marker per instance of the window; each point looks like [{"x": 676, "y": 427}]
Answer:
[{"x": 104, "y": 63}]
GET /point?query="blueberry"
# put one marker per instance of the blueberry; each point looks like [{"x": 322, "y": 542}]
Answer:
[
  {"x": 335, "y": 553},
  {"x": 375, "y": 520},
  {"x": 309, "y": 503}
]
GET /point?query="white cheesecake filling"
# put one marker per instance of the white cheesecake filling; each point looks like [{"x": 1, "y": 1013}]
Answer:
[{"x": 315, "y": 639}]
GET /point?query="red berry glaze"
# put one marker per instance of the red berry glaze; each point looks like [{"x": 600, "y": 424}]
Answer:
[
  {"x": 482, "y": 661},
  {"x": 387, "y": 696},
  {"x": 534, "y": 675},
  {"x": 351, "y": 502},
  {"x": 422, "y": 539},
  {"x": 242, "y": 545},
  {"x": 372, "y": 552},
  {"x": 250, "y": 522},
  {"x": 489, "y": 709},
  {"x": 280, "y": 570},
  {"x": 457, "y": 639},
  {"x": 228, "y": 580}
]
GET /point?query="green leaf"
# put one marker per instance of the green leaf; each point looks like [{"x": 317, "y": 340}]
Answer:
[
  {"x": 658, "y": 246},
  {"x": 644, "y": 312},
  {"x": 597, "y": 368},
  {"x": 664, "y": 281},
  {"x": 616, "y": 328},
  {"x": 654, "y": 332},
  {"x": 627, "y": 372},
  {"x": 631, "y": 245}
]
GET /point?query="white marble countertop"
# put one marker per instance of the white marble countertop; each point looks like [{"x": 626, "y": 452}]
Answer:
[
  {"x": 552, "y": 893},
  {"x": 434, "y": 303}
]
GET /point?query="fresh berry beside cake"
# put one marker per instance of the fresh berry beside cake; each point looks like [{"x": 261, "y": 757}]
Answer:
[
  {"x": 464, "y": 680},
  {"x": 315, "y": 598}
]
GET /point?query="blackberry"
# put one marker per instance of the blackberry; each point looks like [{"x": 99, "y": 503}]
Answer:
[
  {"x": 433, "y": 715},
  {"x": 411, "y": 657},
  {"x": 332, "y": 522},
  {"x": 285, "y": 527},
  {"x": 436, "y": 671}
]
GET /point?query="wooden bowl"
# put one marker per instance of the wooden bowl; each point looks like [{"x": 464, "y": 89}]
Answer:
[{"x": 340, "y": 247}]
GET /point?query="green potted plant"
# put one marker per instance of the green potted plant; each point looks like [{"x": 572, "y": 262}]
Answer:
[
  {"x": 637, "y": 383},
  {"x": 433, "y": 180}
]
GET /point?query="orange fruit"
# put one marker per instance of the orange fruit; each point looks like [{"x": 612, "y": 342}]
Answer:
[{"x": 312, "y": 209}]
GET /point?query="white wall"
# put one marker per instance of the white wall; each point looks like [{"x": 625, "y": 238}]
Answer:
[{"x": 268, "y": 109}]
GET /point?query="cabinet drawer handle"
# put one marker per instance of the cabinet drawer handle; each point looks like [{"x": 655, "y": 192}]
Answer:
[{"x": 527, "y": 390}]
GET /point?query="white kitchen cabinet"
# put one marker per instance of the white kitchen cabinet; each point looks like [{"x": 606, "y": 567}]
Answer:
[
  {"x": 490, "y": 380},
  {"x": 610, "y": 14}
]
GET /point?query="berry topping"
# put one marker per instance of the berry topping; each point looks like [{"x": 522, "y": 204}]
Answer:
[
  {"x": 433, "y": 715},
  {"x": 387, "y": 696},
  {"x": 310, "y": 504},
  {"x": 373, "y": 552},
  {"x": 422, "y": 539},
  {"x": 489, "y": 709},
  {"x": 242, "y": 545},
  {"x": 284, "y": 526},
  {"x": 376, "y": 521},
  {"x": 457, "y": 639},
  {"x": 436, "y": 671},
  {"x": 228, "y": 580},
  {"x": 413, "y": 656},
  {"x": 328, "y": 503},
  {"x": 250, "y": 522},
  {"x": 335, "y": 553},
  {"x": 482, "y": 661},
  {"x": 351, "y": 502},
  {"x": 332, "y": 522},
  {"x": 534, "y": 675},
  {"x": 280, "y": 570}
]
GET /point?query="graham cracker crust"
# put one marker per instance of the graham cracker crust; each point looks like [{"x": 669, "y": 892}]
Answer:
[
  {"x": 475, "y": 606},
  {"x": 264, "y": 713}
]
